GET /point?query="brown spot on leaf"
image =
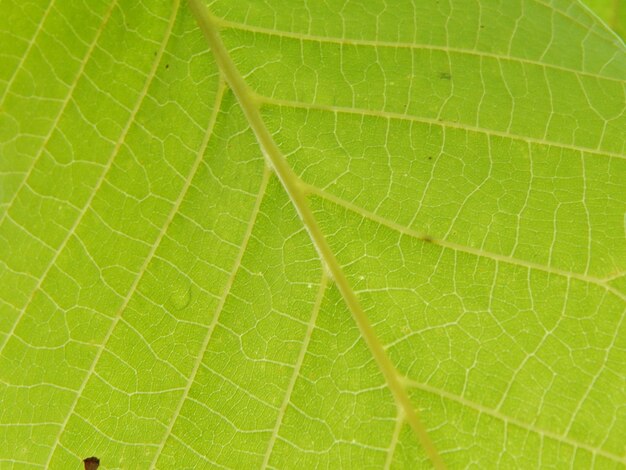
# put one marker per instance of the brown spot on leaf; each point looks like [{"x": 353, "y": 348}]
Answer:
[{"x": 91, "y": 463}]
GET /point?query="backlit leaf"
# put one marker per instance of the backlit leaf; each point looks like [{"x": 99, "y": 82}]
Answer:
[{"x": 300, "y": 234}]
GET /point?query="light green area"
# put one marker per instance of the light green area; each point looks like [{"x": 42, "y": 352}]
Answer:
[
  {"x": 161, "y": 299},
  {"x": 612, "y": 12}
]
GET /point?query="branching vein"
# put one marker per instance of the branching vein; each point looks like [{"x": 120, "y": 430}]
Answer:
[{"x": 297, "y": 193}]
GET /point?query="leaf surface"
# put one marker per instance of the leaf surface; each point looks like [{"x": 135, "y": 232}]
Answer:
[
  {"x": 407, "y": 227},
  {"x": 612, "y": 12}
]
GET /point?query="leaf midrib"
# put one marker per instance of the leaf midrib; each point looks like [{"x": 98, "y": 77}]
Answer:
[{"x": 296, "y": 191}]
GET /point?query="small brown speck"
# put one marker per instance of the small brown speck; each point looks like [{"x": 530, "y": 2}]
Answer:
[
  {"x": 167, "y": 66},
  {"x": 91, "y": 463}
]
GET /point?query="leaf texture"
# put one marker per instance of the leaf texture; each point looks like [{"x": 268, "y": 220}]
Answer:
[{"x": 399, "y": 244}]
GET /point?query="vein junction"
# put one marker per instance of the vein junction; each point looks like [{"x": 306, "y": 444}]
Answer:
[{"x": 296, "y": 190}]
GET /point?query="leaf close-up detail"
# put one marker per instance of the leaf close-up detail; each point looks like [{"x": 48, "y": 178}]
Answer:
[{"x": 299, "y": 234}]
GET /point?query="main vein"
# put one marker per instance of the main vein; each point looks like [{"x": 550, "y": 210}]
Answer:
[{"x": 296, "y": 190}]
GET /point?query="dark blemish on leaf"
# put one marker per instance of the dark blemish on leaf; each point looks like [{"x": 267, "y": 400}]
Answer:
[
  {"x": 428, "y": 239},
  {"x": 482, "y": 26},
  {"x": 167, "y": 66},
  {"x": 91, "y": 463},
  {"x": 155, "y": 53},
  {"x": 430, "y": 158},
  {"x": 445, "y": 75}
]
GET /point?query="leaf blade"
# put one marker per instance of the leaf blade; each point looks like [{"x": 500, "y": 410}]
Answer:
[{"x": 492, "y": 274}]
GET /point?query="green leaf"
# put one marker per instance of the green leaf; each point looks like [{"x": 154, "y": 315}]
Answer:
[
  {"x": 613, "y": 12},
  {"x": 297, "y": 234}
]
